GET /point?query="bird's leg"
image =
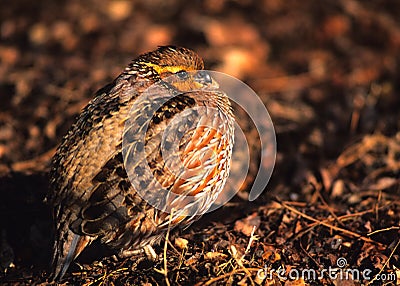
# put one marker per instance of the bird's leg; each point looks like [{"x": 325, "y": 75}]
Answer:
[
  {"x": 128, "y": 253},
  {"x": 148, "y": 250},
  {"x": 150, "y": 253}
]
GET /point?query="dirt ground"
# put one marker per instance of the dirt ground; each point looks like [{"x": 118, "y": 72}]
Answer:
[{"x": 327, "y": 71}]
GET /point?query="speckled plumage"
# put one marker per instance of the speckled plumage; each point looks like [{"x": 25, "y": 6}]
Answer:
[{"x": 92, "y": 193}]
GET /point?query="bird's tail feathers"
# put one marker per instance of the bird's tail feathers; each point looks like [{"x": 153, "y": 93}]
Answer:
[{"x": 65, "y": 252}]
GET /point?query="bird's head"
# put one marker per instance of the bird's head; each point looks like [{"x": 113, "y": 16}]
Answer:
[{"x": 178, "y": 66}]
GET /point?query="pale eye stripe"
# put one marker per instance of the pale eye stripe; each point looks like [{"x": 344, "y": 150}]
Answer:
[{"x": 163, "y": 69}]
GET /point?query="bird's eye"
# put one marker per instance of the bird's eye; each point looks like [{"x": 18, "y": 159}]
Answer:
[
  {"x": 182, "y": 75},
  {"x": 203, "y": 77}
]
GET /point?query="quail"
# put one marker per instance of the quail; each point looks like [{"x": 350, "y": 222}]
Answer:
[{"x": 152, "y": 150}]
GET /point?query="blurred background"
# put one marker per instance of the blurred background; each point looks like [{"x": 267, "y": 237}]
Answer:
[
  {"x": 324, "y": 60},
  {"x": 327, "y": 71}
]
